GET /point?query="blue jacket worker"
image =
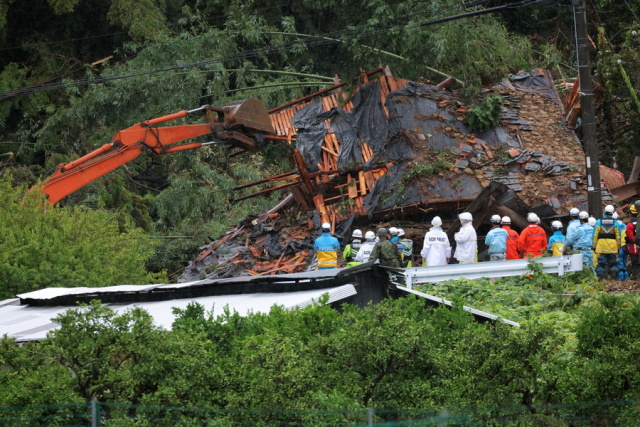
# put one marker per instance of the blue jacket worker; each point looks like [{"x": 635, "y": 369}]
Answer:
[
  {"x": 582, "y": 240},
  {"x": 326, "y": 248},
  {"x": 557, "y": 239},
  {"x": 496, "y": 240}
]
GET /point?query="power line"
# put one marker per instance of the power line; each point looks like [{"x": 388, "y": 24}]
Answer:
[
  {"x": 335, "y": 37},
  {"x": 62, "y": 41}
]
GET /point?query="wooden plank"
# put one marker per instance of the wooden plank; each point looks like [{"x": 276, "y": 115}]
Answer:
[
  {"x": 319, "y": 203},
  {"x": 370, "y": 179},
  {"x": 367, "y": 152},
  {"x": 285, "y": 123},
  {"x": 330, "y": 151},
  {"x": 363, "y": 183},
  {"x": 275, "y": 124},
  {"x": 352, "y": 191},
  {"x": 335, "y": 144},
  {"x": 392, "y": 83}
]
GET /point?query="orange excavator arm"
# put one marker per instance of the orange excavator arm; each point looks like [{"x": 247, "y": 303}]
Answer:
[{"x": 242, "y": 123}]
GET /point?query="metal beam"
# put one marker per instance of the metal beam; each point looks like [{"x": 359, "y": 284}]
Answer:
[{"x": 515, "y": 267}]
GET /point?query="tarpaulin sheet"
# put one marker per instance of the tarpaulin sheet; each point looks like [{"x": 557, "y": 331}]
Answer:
[
  {"x": 344, "y": 126},
  {"x": 411, "y": 108},
  {"x": 454, "y": 186},
  {"x": 396, "y": 149},
  {"x": 310, "y": 134},
  {"x": 371, "y": 121},
  {"x": 534, "y": 81},
  {"x": 389, "y": 191}
]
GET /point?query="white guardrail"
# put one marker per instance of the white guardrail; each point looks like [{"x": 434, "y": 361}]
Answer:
[{"x": 514, "y": 267}]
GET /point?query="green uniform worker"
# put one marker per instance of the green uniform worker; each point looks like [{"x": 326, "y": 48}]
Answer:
[
  {"x": 386, "y": 251},
  {"x": 351, "y": 250}
]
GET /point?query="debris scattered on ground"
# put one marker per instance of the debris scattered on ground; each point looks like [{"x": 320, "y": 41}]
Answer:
[{"x": 396, "y": 152}]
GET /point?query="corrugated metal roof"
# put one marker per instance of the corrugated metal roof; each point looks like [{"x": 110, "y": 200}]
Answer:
[{"x": 30, "y": 323}]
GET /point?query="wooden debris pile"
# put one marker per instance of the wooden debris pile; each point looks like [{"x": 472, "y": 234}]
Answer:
[
  {"x": 395, "y": 149},
  {"x": 256, "y": 247}
]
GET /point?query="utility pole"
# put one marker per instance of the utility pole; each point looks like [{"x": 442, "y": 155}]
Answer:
[{"x": 594, "y": 190}]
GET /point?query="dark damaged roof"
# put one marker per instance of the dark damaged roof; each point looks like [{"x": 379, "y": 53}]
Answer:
[{"x": 392, "y": 148}]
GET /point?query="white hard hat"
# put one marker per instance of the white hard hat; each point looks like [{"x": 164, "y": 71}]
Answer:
[
  {"x": 436, "y": 221},
  {"x": 532, "y": 218},
  {"x": 465, "y": 216},
  {"x": 393, "y": 231},
  {"x": 356, "y": 233},
  {"x": 574, "y": 212},
  {"x": 326, "y": 226},
  {"x": 609, "y": 209},
  {"x": 506, "y": 220},
  {"x": 592, "y": 221},
  {"x": 370, "y": 235},
  {"x": 495, "y": 219},
  {"x": 556, "y": 225},
  {"x": 583, "y": 215},
  {"x": 400, "y": 232}
]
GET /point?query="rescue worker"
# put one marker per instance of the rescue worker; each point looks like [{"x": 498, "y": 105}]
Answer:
[
  {"x": 634, "y": 254},
  {"x": 496, "y": 240},
  {"x": 393, "y": 231},
  {"x": 637, "y": 235},
  {"x": 582, "y": 240},
  {"x": 366, "y": 248},
  {"x": 436, "y": 249},
  {"x": 326, "y": 247},
  {"x": 407, "y": 249},
  {"x": 574, "y": 223},
  {"x": 533, "y": 239},
  {"x": 512, "y": 238},
  {"x": 351, "y": 250},
  {"x": 557, "y": 240},
  {"x": 623, "y": 253},
  {"x": 466, "y": 240},
  {"x": 607, "y": 241},
  {"x": 386, "y": 251}
]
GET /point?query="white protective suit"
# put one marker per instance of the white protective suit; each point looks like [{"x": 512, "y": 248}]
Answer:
[
  {"x": 436, "y": 247},
  {"x": 466, "y": 248},
  {"x": 365, "y": 251}
]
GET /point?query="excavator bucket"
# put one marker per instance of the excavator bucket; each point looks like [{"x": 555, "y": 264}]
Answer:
[{"x": 250, "y": 113}]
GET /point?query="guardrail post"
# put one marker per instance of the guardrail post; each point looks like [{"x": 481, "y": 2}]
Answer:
[{"x": 408, "y": 281}]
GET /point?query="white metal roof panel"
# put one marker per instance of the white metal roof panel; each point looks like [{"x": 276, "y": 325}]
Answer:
[{"x": 28, "y": 323}]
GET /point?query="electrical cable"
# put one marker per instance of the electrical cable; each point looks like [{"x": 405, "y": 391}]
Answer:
[
  {"x": 316, "y": 41},
  {"x": 631, "y": 10}
]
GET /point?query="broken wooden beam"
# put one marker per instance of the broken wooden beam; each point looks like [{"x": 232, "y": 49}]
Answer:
[{"x": 266, "y": 191}]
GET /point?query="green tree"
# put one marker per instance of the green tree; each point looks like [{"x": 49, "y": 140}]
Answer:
[{"x": 65, "y": 247}]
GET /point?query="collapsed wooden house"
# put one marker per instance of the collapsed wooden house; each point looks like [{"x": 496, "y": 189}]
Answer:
[{"x": 399, "y": 152}]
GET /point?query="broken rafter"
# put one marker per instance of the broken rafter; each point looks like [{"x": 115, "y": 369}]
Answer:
[
  {"x": 281, "y": 177},
  {"x": 266, "y": 191}
]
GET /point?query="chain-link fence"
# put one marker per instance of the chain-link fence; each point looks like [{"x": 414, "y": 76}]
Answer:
[{"x": 94, "y": 414}]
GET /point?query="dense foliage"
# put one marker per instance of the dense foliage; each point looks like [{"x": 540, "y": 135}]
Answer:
[
  {"x": 318, "y": 365},
  {"x": 60, "y": 248}
]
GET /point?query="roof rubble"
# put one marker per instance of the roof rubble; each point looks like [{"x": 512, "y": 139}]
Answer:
[{"x": 397, "y": 151}]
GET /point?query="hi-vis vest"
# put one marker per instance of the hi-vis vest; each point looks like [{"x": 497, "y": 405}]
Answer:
[{"x": 606, "y": 236}]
